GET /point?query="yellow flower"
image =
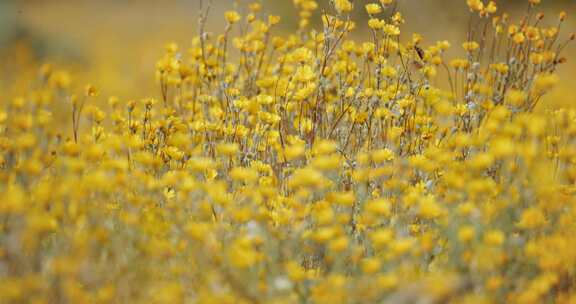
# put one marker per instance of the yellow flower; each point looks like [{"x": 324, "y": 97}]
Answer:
[
  {"x": 429, "y": 208},
  {"x": 273, "y": 19},
  {"x": 324, "y": 234},
  {"x": 382, "y": 155},
  {"x": 198, "y": 230},
  {"x": 244, "y": 174},
  {"x": 502, "y": 147},
  {"x": 376, "y": 24},
  {"x": 305, "y": 74},
  {"x": 466, "y": 234},
  {"x": 534, "y": 2},
  {"x": 381, "y": 237},
  {"x": 339, "y": 244},
  {"x": 91, "y": 91},
  {"x": 302, "y": 55},
  {"x": 470, "y": 46},
  {"x": 342, "y": 198},
  {"x": 475, "y": 5},
  {"x": 242, "y": 253},
  {"x": 391, "y": 30},
  {"x": 387, "y": 281},
  {"x": 379, "y": 207},
  {"x": 532, "y": 218},
  {"x": 491, "y": 8},
  {"x": 227, "y": 149},
  {"x": 519, "y": 38},
  {"x": 544, "y": 82},
  {"x": 343, "y": 6},
  {"x": 371, "y": 265},
  {"x": 232, "y": 16},
  {"x": 494, "y": 238},
  {"x": 373, "y": 8},
  {"x": 295, "y": 272},
  {"x": 401, "y": 246}
]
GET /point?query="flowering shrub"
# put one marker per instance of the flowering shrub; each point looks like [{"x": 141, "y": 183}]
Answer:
[{"x": 306, "y": 168}]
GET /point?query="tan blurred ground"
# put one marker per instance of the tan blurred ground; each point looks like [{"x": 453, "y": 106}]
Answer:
[{"x": 115, "y": 43}]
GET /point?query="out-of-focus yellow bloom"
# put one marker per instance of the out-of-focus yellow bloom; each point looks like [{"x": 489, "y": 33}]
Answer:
[
  {"x": 373, "y": 8},
  {"x": 232, "y": 16},
  {"x": 494, "y": 238}
]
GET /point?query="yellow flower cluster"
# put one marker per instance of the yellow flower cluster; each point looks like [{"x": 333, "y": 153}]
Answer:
[{"x": 300, "y": 168}]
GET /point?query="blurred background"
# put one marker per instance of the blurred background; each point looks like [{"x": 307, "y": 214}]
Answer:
[{"x": 115, "y": 43}]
